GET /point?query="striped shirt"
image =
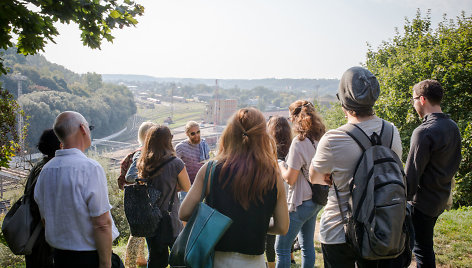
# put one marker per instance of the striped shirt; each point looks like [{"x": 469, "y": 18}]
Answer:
[{"x": 190, "y": 154}]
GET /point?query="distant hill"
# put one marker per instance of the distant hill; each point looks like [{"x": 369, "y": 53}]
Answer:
[
  {"x": 48, "y": 89},
  {"x": 324, "y": 86}
]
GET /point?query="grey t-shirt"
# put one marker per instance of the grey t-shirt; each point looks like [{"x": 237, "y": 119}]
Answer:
[
  {"x": 338, "y": 153},
  {"x": 298, "y": 158}
]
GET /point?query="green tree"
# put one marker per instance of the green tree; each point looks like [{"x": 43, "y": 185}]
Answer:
[
  {"x": 9, "y": 137},
  {"x": 421, "y": 52},
  {"x": 93, "y": 81},
  {"x": 32, "y": 22}
]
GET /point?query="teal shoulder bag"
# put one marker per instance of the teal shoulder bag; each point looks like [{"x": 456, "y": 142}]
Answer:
[{"x": 195, "y": 245}]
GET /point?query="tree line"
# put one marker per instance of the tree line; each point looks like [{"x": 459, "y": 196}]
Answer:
[
  {"x": 49, "y": 89},
  {"x": 422, "y": 52}
]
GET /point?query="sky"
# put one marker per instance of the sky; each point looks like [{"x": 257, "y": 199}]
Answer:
[{"x": 242, "y": 39}]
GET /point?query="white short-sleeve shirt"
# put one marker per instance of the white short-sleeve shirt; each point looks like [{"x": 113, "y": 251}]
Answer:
[
  {"x": 70, "y": 190},
  {"x": 338, "y": 153}
]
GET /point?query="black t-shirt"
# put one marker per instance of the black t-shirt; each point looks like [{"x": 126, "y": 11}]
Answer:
[{"x": 247, "y": 233}]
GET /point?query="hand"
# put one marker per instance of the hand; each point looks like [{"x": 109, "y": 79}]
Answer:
[{"x": 327, "y": 179}]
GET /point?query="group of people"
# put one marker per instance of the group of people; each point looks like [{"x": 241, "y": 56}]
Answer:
[{"x": 262, "y": 181}]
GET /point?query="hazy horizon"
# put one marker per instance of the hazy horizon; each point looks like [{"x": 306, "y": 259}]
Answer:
[{"x": 247, "y": 39}]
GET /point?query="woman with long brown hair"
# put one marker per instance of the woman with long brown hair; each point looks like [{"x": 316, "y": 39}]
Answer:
[
  {"x": 165, "y": 172},
  {"x": 246, "y": 187},
  {"x": 308, "y": 126},
  {"x": 279, "y": 129}
]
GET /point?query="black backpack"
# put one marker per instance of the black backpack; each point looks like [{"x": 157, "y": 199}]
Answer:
[
  {"x": 141, "y": 206},
  {"x": 375, "y": 225}
]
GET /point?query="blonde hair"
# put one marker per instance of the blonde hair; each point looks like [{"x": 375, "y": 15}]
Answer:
[
  {"x": 248, "y": 153},
  {"x": 142, "y": 131},
  {"x": 190, "y": 124}
]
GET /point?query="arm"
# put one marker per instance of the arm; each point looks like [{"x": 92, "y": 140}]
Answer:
[
  {"x": 103, "y": 238},
  {"x": 132, "y": 173},
  {"x": 318, "y": 178},
  {"x": 178, "y": 150},
  {"x": 418, "y": 158},
  {"x": 281, "y": 218},
  {"x": 193, "y": 197},
  {"x": 184, "y": 181},
  {"x": 289, "y": 174}
]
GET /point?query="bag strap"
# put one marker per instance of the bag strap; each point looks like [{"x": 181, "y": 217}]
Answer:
[
  {"x": 364, "y": 141},
  {"x": 386, "y": 135},
  {"x": 358, "y": 135},
  {"x": 171, "y": 202},
  {"x": 208, "y": 175},
  {"x": 344, "y": 220},
  {"x": 308, "y": 169},
  {"x": 34, "y": 236}
]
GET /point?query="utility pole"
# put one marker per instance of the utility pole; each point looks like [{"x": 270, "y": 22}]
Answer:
[
  {"x": 20, "y": 78},
  {"x": 172, "y": 102},
  {"x": 217, "y": 105}
]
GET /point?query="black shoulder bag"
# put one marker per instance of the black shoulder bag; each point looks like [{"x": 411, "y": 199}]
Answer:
[{"x": 319, "y": 192}]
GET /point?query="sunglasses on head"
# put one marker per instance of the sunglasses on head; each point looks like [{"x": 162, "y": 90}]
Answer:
[
  {"x": 193, "y": 133},
  {"x": 299, "y": 108}
]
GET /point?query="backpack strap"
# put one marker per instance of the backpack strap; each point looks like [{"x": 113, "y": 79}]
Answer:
[
  {"x": 386, "y": 134},
  {"x": 358, "y": 135},
  {"x": 344, "y": 219},
  {"x": 361, "y": 138}
]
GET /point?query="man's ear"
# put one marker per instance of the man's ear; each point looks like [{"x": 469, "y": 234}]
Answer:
[
  {"x": 422, "y": 100},
  {"x": 82, "y": 129}
]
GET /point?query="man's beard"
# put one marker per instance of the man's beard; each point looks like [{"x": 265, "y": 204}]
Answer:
[{"x": 195, "y": 141}]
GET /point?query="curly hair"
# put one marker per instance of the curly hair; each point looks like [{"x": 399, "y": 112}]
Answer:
[
  {"x": 279, "y": 128},
  {"x": 307, "y": 123}
]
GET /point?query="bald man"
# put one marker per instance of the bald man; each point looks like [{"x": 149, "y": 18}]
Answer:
[{"x": 72, "y": 196}]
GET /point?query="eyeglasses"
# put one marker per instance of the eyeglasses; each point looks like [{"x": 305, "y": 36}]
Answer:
[
  {"x": 412, "y": 101},
  {"x": 194, "y": 133},
  {"x": 90, "y": 127}
]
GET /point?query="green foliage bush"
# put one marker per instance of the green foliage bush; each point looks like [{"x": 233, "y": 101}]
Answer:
[{"x": 420, "y": 53}]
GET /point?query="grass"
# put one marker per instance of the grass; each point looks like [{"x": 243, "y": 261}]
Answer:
[
  {"x": 453, "y": 238},
  {"x": 452, "y": 241},
  {"x": 183, "y": 112}
]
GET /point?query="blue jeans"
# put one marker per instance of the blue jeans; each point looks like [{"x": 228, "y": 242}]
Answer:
[
  {"x": 181, "y": 196},
  {"x": 302, "y": 223}
]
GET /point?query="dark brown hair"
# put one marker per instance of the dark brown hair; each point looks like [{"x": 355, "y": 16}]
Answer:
[
  {"x": 48, "y": 143},
  {"x": 279, "y": 129},
  {"x": 248, "y": 153},
  {"x": 306, "y": 121},
  {"x": 156, "y": 149},
  {"x": 431, "y": 90}
]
